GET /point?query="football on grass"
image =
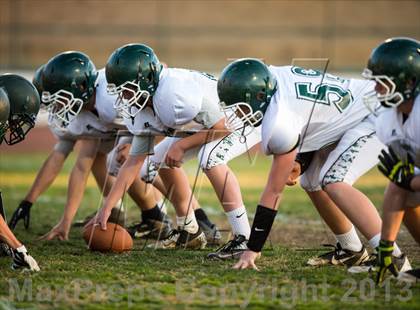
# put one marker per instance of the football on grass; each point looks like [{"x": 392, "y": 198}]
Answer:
[{"x": 114, "y": 239}]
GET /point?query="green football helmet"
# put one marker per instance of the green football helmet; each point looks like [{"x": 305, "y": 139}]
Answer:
[
  {"x": 37, "y": 80},
  {"x": 132, "y": 73},
  {"x": 24, "y": 106},
  {"x": 4, "y": 113},
  {"x": 395, "y": 65},
  {"x": 68, "y": 80},
  {"x": 245, "y": 88}
]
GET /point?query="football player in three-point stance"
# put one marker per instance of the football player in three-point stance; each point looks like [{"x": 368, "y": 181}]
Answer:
[
  {"x": 19, "y": 105},
  {"x": 169, "y": 100},
  {"x": 395, "y": 67},
  {"x": 75, "y": 94},
  {"x": 52, "y": 166},
  {"x": 306, "y": 110}
]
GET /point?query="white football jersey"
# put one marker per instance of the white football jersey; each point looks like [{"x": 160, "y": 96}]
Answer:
[
  {"x": 402, "y": 136},
  {"x": 184, "y": 100},
  {"x": 60, "y": 132},
  {"x": 310, "y": 110},
  {"x": 102, "y": 123}
]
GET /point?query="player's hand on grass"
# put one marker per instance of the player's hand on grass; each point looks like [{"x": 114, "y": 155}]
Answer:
[
  {"x": 385, "y": 260},
  {"x": 59, "y": 231},
  {"x": 247, "y": 260},
  {"x": 397, "y": 171},
  {"x": 294, "y": 175},
  {"x": 22, "y": 260},
  {"x": 23, "y": 212},
  {"x": 174, "y": 156}
]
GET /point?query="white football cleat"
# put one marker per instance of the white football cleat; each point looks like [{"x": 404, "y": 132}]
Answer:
[
  {"x": 22, "y": 260},
  {"x": 401, "y": 262}
]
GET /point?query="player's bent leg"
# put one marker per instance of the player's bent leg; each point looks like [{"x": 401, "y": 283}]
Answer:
[
  {"x": 227, "y": 188},
  {"x": 357, "y": 207},
  {"x": 348, "y": 250},
  {"x": 329, "y": 212},
  {"x": 412, "y": 222},
  {"x": 355, "y": 154},
  {"x": 214, "y": 157},
  {"x": 188, "y": 234},
  {"x": 150, "y": 174},
  {"x": 154, "y": 224}
]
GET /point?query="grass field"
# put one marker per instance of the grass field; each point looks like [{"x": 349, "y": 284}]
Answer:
[{"x": 73, "y": 277}]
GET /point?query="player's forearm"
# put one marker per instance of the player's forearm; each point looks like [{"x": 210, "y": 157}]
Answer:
[
  {"x": 78, "y": 177},
  {"x": 393, "y": 211},
  {"x": 7, "y": 236},
  {"x": 279, "y": 174},
  {"x": 46, "y": 175},
  {"x": 76, "y": 189},
  {"x": 201, "y": 138},
  {"x": 267, "y": 209},
  {"x": 218, "y": 131},
  {"x": 125, "y": 178},
  {"x": 271, "y": 197}
]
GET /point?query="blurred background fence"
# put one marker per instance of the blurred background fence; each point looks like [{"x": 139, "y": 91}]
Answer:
[
  {"x": 203, "y": 34},
  {"x": 198, "y": 34}
]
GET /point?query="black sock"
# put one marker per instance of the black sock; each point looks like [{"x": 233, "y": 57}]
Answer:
[
  {"x": 200, "y": 215},
  {"x": 153, "y": 214}
]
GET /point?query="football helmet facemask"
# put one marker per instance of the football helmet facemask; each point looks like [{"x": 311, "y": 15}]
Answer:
[
  {"x": 395, "y": 65},
  {"x": 245, "y": 88},
  {"x": 132, "y": 73},
  {"x": 68, "y": 81},
  {"x": 24, "y": 106}
]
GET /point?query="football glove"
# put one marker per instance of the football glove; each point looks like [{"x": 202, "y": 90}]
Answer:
[
  {"x": 22, "y": 212},
  {"x": 22, "y": 260},
  {"x": 385, "y": 260},
  {"x": 399, "y": 172},
  {"x": 5, "y": 250}
]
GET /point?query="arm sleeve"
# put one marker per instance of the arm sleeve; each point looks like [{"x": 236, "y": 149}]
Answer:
[
  {"x": 282, "y": 143},
  {"x": 142, "y": 145},
  {"x": 209, "y": 114},
  {"x": 281, "y": 130}
]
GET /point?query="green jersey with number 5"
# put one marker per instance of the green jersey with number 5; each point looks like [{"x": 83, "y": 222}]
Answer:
[{"x": 311, "y": 109}]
